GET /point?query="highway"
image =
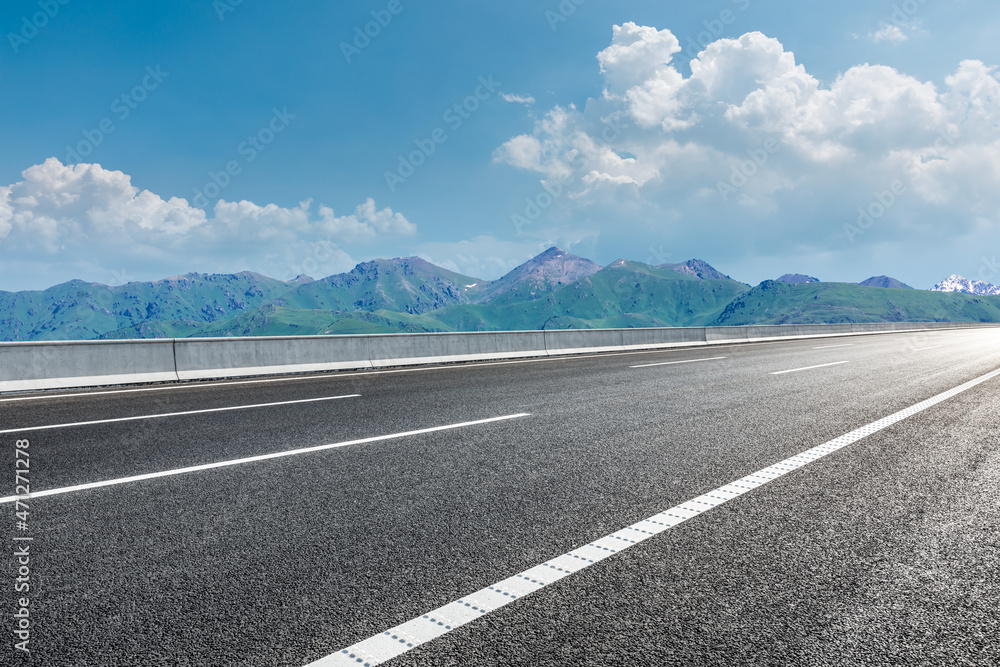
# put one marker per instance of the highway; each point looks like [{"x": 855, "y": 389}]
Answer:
[{"x": 318, "y": 520}]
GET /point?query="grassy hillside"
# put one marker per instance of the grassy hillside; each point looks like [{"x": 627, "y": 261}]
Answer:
[
  {"x": 78, "y": 310},
  {"x": 625, "y": 294},
  {"x": 537, "y": 277},
  {"x": 406, "y": 285},
  {"x": 774, "y": 302},
  {"x": 555, "y": 290}
]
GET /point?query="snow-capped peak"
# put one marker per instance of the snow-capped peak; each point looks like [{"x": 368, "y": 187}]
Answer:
[{"x": 958, "y": 283}]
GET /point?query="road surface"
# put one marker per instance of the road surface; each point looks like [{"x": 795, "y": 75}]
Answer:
[{"x": 284, "y": 521}]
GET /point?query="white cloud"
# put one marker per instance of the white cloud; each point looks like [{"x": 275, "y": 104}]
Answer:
[
  {"x": 889, "y": 33},
  {"x": 84, "y": 216},
  {"x": 6, "y": 212},
  {"x": 527, "y": 100},
  {"x": 655, "y": 149},
  {"x": 637, "y": 54}
]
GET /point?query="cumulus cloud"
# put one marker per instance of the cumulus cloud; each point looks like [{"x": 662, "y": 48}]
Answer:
[
  {"x": 889, "y": 33},
  {"x": 637, "y": 54},
  {"x": 6, "y": 212},
  {"x": 751, "y": 135},
  {"x": 527, "y": 100},
  {"x": 82, "y": 216}
]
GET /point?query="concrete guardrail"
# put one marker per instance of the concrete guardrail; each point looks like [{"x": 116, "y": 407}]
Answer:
[{"x": 60, "y": 365}]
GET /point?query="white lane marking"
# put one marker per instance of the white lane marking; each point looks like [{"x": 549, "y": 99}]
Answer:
[
  {"x": 177, "y": 414},
  {"x": 809, "y": 368},
  {"x": 670, "y": 363},
  {"x": 829, "y": 347},
  {"x": 259, "y": 457},
  {"x": 400, "y": 639},
  {"x": 924, "y": 349}
]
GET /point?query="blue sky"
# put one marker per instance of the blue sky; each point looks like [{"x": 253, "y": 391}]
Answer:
[{"x": 841, "y": 139}]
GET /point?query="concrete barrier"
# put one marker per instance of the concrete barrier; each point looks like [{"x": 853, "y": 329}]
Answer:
[
  {"x": 715, "y": 335},
  {"x": 202, "y": 358},
  {"x": 652, "y": 339},
  {"x": 57, "y": 365},
  {"x": 766, "y": 332},
  {"x": 579, "y": 341},
  {"x": 415, "y": 349}
]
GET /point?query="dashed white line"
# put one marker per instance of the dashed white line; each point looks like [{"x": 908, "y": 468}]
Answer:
[
  {"x": 177, "y": 414},
  {"x": 924, "y": 349},
  {"x": 809, "y": 368},
  {"x": 400, "y": 639},
  {"x": 830, "y": 347},
  {"x": 671, "y": 363},
  {"x": 253, "y": 459}
]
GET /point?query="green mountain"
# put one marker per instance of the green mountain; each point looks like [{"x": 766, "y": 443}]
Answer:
[
  {"x": 406, "y": 285},
  {"x": 697, "y": 268},
  {"x": 79, "y": 311},
  {"x": 624, "y": 294},
  {"x": 537, "y": 277},
  {"x": 884, "y": 281},
  {"x": 555, "y": 290},
  {"x": 797, "y": 279},
  {"x": 774, "y": 302}
]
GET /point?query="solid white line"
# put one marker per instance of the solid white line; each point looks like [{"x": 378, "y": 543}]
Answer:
[
  {"x": 670, "y": 363},
  {"x": 809, "y": 368},
  {"x": 253, "y": 459},
  {"x": 176, "y": 414},
  {"x": 829, "y": 347},
  {"x": 400, "y": 639},
  {"x": 924, "y": 349}
]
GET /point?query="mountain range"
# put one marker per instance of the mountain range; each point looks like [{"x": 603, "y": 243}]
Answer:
[
  {"x": 961, "y": 284},
  {"x": 555, "y": 290}
]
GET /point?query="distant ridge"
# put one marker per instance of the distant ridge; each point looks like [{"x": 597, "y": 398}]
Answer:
[
  {"x": 797, "y": 279},
  {"x": 78, "y": 310},
  {"x": 537, "y": 277},
  {"x": 884, "y": 281},
  {"x": 554, "y": 290},
  {"x": 697, "y": 268},
  {"x": 404, "y": 284}
]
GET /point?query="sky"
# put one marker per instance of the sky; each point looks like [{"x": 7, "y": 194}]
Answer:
[{"x": 840, "y": 140}]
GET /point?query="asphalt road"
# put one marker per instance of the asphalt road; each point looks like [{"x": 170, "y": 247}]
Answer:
[{"x": 884, "y": 552}]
